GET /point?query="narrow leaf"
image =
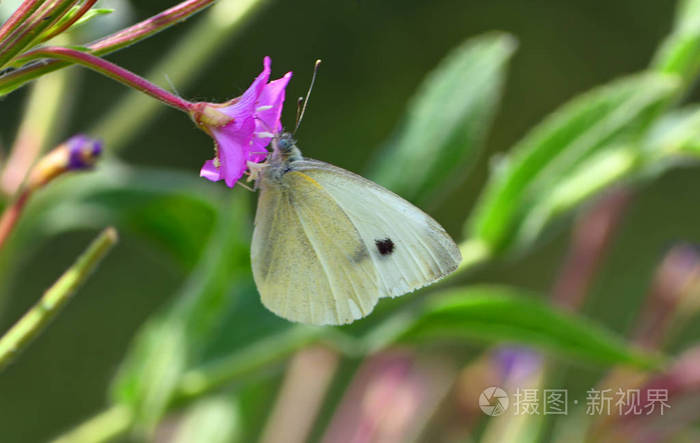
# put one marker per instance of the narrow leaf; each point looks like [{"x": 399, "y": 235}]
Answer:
[
  {"x": 507, "y": 315},
  {"x": 591, "y": 177},
  {"x": 680, "y": 51},
  {"x": 620, "y": 111},
  {"x": 448, "y": 119},
  {"x": 676, "y": 133}
]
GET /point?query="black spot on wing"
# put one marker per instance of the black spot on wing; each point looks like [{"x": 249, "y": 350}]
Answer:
[{"x": 385, "y": 247}]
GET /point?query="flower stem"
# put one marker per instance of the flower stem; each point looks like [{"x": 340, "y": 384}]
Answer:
[
  {"x": 110, "y": 70},
  {"x": 13, "y": 80},
  {"x": 200, "y": 381},
  {"x": 150, "y": 26},
  {"x": 11, "y": 215},
  {"x": 84, "y": 8},
  {"x": 21, "y": 13},
  {"x": 26, "y": 34},
  {"x": 183, "y": 62},
  {"x": 39, "y": 315},
  {"x": 102, "y": 427},
  {"x": 42, "y": 114}
]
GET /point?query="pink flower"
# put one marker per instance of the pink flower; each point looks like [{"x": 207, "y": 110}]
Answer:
[{"x": 242, "y": 127}]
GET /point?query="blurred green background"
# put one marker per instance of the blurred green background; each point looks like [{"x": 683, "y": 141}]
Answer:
[{"x": 374, "y": 56}]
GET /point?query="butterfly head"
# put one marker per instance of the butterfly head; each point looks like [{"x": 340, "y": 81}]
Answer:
[
  {"x": 286, "y": 142},
  {"x": 285, "y": 148}
]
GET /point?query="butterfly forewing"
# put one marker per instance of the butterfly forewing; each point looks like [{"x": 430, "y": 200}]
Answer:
[
  {"x": 408, "y": 247},
  {"x": 308, "y": 256}
]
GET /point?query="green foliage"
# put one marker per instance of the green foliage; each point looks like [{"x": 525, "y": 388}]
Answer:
[
  {"x": 448, "y": 119},
  {"x": 676, "y": 134},
  {"x": 550, "y": 153},
  {"x": 680, "y": 52},
  {"x": 510, "y": 315},
  {"x": 174, "y": 210},
  {"x": 70, "y": 15},
  {"x": 173, "y": 340}
]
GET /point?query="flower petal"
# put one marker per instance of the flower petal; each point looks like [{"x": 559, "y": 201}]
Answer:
[
  {"x": 210, "y": 171},
  {"x": 245, "y": 104},
  {"x": 234, "y": 149},
  {"x": 269, "y": 106},
  {"x": 267, "y": 116}
]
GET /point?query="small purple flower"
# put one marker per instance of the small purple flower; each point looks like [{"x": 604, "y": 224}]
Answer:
[{"x": 242, "y": 127}]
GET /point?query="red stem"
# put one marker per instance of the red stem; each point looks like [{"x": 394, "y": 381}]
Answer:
[
  {"x": 25, "y": 10},
  {"x": 110, "y": 70},
  {"x": 11, "y": 215},
  {"x": 81, "y": 12},
  {"x": 149, "y": 26},
  {"x": 114, "y": 42},
  {"x": 25, "y": 35}
]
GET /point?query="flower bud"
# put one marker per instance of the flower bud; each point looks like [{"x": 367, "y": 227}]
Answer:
[{"x": 77, "y": 153}]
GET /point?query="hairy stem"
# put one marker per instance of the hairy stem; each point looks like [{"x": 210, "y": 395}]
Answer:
[
  {"x": 14, "y": 79},
  {"x": 110, "y": 70},
  {"x": 23, "y": 12},
  {"x": 26, "y": 34},
  {"x": 183, "y": 62},
  {"x": 84, "y": 8}
]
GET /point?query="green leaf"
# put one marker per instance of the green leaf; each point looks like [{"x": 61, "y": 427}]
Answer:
[
  {"x": 675, "y": 134},
  {"x": 448, "y": 119},
  {"x": 598, "y": 120},
  {"x": 174, "y": 210},
  {"x": 507, "y": 315},
  {"x": 92, "y": 13},
  {"x": 591, "y": 177},
  {"x": 680, "y": 51},
  {"x": 174, "y": 340},
  {"x": 86, "y": 17},
  {"x": 673, "y": 140}
]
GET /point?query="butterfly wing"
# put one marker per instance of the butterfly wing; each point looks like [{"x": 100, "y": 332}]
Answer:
[
  {"x": 307, "y": 255},
  {"x": 329, "y": 243},
  {"x": 407, "y": 247}
]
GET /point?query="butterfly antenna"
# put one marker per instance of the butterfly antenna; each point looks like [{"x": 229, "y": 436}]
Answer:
[
  {"x": 301, "y": 108},
  {"x": 300, "y": 102}
]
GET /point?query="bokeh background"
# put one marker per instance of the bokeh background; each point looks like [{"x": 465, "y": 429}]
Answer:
[{"x": 374, "y": 55}]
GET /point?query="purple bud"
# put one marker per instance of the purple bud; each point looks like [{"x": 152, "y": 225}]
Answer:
[
  {"x": 82, "y": 152},
  {"x": 77, "y": 153}
]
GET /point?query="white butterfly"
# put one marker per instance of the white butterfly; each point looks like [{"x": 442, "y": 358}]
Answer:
[{"x": 328, "y": 243}]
